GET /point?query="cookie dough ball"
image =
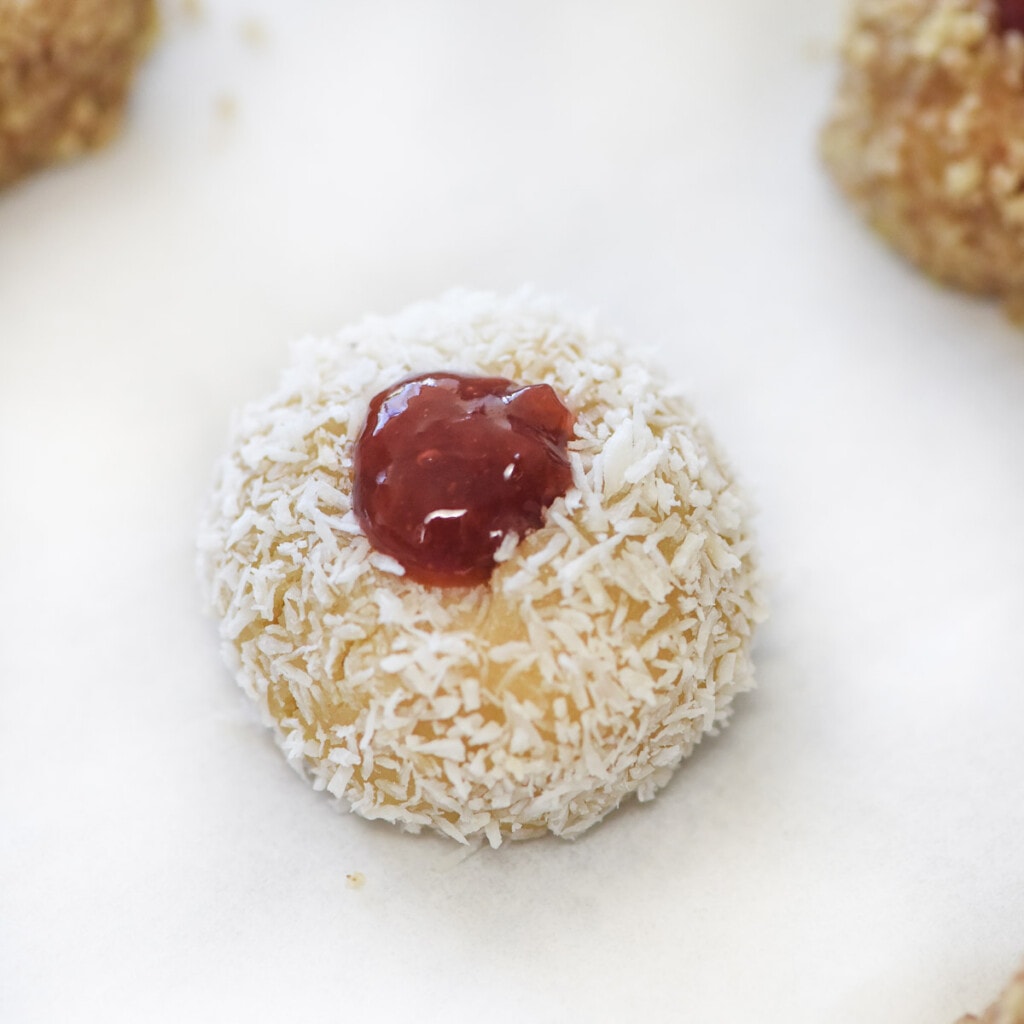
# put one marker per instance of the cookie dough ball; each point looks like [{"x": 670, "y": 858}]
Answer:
[
  {"x": 927, "y": 135},
  {"x": 65, "y": 70},
  {"x": 600, "y": 648},
  {"x": 1007, "y": 1009}
]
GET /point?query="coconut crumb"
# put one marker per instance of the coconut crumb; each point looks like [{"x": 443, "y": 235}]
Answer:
[
  {"x": 926, "y": 136},
  {"x": 225, "y": 108},
  {"x": 65, "y": 73},
  {"x": 253, "y": 33},
  {"x": 604, "y": 646}
]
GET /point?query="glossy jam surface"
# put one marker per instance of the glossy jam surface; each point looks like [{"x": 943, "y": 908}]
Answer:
[
  {"x": 1010, "y": 15},
  {"x": 447, "y": 466}
]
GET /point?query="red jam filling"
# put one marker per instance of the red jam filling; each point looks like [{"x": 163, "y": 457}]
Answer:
[
  {"x": 1010, "y": 15},
  {"x": 447, "y": 466}
]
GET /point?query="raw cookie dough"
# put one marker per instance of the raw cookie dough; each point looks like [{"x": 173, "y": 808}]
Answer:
[
  {"x": 601, "y": 649},
  {"x": 1007, "y": 1009},
  {"x": 926, "y": 137},
  {"x": 65, "y": 70}
]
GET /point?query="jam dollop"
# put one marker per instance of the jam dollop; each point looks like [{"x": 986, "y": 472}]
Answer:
[
  {"x": 1010, "y": 15},
  {"x": 447, "y": 466}
]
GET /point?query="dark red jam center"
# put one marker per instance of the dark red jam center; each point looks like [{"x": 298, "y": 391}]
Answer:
[
  {"x": 1010, "y": 15},
  {"x": 447, "y": 466}
]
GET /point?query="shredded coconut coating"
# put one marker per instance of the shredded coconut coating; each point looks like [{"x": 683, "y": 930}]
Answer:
[
  {"x": 927, "y": 138},
  {"x": 606, "y": 643},
  {"x": 1007, "y": 1009},
  {"x": 65, "y": 70}
]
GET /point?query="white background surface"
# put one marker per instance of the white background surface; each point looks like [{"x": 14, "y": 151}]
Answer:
[{"x": 851, "y": 849}]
